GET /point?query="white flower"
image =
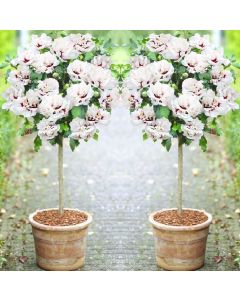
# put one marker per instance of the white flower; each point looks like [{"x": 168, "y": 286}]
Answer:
[
  {"x": 159, "y": 130},
  {"x": 199, "y": 42},
  {"x": 158, "y": 43},
  {"x": 47, "y": 129},
  {"x": 41, "y": 41},
  {"x": 79, "y": 94},
  {"x": 97, "y": 115},
  {"x": 144, "y": 115},
  {"x": 186, "y": 107},
  {"x": 213, "y": 105},
  {"x": 64, "y": 49},
  {"x": 176, "y": 49},
  {"x": 192, "y": 87},
  {"x": 82, "y": 42},
  {"x": 48, "y": 87},
  {"x": 229, "y": 95},
  {"x": 195, "y": 62},
  {"x": 19, "y": 77},
  {"x": 12, "y": 95},
  {"x": 163, "y": 70},
  {"x": 103, "y": 61},
  {"x": 221, "y": 77},
  {"x": 81, "y": 130},
  {"x": 78, "y": 70},
  {"x": 214, "y": 57},
  {"x": 27, "y": 105},
  {"x": 131, "y": 98},
  {"x": 45, "y": 63},
  {"x": 55, "y": 107},
  {"x": 24, "y": 57},
  {"x": 161, "y": 94},
  {"x": 101, "y": 78},
  {"x": 139, "y": 78},
  {"x": 109, "y": 98},
  {"x": 193, "y": 129},
  {"x": 139, "y": 61}
]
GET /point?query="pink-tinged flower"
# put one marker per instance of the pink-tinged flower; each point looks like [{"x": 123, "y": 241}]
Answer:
[
  {"x": 230, "y": 96},
  {"x": 145, "y": 115},
  {"x": 41, "y": 41},
  {"x": 19, "y": 77},
  {"x": 176, "y": 49},
  {"x": 213, "y": 105},
  {"x": 192, "y": 87},
  {"x": 221, "y": 77},
  {"x": 161, "y": 94},
  {"x": 64, "y": 49},
  {"x": 28, "y": 104},
  {"x": 131, "y": 98},
  {"x": 186, "y": 107},
  {"x": 139, "y": 78},
  {"x": 82, "y": 42},
  {"x": 97, "y": 115},
  {"x": 54, "y": 107},
  {"x": 47, "y": 129},
  {"x": 12, "y": 95},
  {"x": 199, "y": 42},
  {"x": 160, "y": 130},
  {"x": 214, "y": 57},
  {"x": 81, "y": 130},
  {"x": 158, "y": 43},
  {"x": 78, "y": 70},
  {"x": 24, "y": 57},
  {"x": 193, "y": 129},
  {"x": 45, "y": 63},
  {"x": 138, "y": 61},
  {"x": 101, "y": 78},
  {"x": 162, "y": 70},
  {"x": 103, "y": 61},
  {"x": 109, "y": 98},
  {"x": 195, "y": 63},
  {"x": 79, "y": 94},
  {"x": 48, "y": 87}
]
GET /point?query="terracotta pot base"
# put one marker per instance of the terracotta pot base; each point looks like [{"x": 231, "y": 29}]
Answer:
[
  {"x": 60, "y": 248},
  {"x": 180, "y": 248}
]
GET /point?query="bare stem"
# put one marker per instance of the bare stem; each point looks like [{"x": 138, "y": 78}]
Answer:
[
  {"x": 180, "y": 176},
  {"x": 60, "y": 176}
]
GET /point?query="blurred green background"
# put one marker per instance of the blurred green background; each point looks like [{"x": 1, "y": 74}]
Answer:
[{"x": 10, "y": 40}]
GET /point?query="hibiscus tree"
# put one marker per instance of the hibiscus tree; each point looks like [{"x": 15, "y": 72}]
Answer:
[
  {"x": 62, "y": 87},
  {"x": 177, "y": 88}
]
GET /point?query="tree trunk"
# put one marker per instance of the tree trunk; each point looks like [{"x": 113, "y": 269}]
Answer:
[
  {"x": 60, "y": 176},
  {"x": 180, "y": 176}
]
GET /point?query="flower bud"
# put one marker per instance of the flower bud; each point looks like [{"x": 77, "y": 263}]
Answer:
[
  {"x": 144, "y": 94},
  {"x": 185, "y": 75},
  {"x": 66, "y": 86},
  {"x": 174, "y": 86},
  {"x": 55, "y": 75},
  {"x": 96, "y": 94}
]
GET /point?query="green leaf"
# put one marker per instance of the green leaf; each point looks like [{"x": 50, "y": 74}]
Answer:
[
  {"x": 161, "y": 111},
  {"x": 3, "y": 65},
  {"x": 95, "y": 136},
  {"x": 152, "y": 56},
  {"x": 64, "y": 127},
  {"x": 37, "y": 143},
  {"x": 236, "y": 65},
  {"x": 79, "y": 111},
  {"x": 145, "y": 136},
  {"x": 73, "y": 144},
  {"x": 203, "y": 143},
  {"x": 88, "y": 56},
  {"x": 167, "y": 144}
]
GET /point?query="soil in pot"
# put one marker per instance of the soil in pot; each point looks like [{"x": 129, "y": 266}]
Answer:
[
  {"x": 54, "y": 218},
  {"x": 187, "y": 217}
]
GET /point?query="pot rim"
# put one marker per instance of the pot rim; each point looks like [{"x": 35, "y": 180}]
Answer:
[
  {"x": 58, "y": 227},
  {"x": 180, "y": 228}
]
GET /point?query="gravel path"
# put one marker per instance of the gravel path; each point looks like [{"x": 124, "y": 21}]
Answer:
[{"x": 120, "y": 179}]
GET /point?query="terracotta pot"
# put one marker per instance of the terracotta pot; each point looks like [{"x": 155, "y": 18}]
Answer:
[
  {"x": 180, "y": 247},
  {"x": 60, "y": 248}
]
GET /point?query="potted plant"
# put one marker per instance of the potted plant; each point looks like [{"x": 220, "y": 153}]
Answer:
[
  {"x": 63, "y": 89},
  {"x": 178, "y": 88}
]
